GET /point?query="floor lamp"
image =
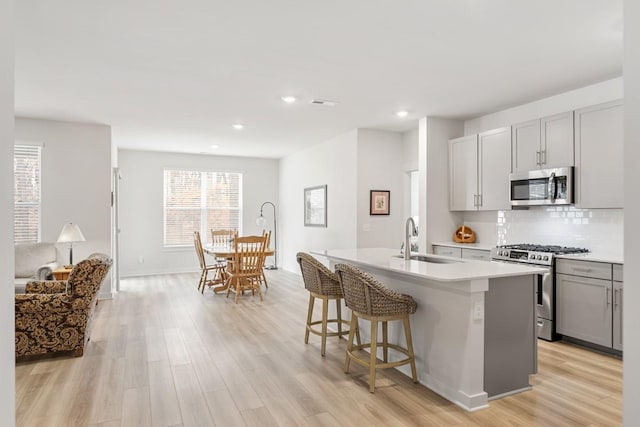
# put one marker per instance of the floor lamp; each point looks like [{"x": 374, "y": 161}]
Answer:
[
  {"x": 262, "y": 222},
  {"x": 70, "y": 233}
]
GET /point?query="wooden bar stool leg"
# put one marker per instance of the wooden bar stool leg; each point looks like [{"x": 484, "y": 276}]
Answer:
[
  {"x": 339, "y": 316},
  {"x": 385, "y": 349},
  {"x": 309, "y": 317},
  {"x": 325, "y": 314},
  {"x": 353, "y": 326},
  {"x": 372, "y": 357},
  {"x": 407, "y": 334}
]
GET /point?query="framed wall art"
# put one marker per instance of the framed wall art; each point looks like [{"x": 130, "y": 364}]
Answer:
[
  {"x": 315, "y": 206},
  {"x": 379, "y": 202}
]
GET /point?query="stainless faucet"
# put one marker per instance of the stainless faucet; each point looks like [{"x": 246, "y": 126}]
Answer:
[{"x": 409, "y": 231}]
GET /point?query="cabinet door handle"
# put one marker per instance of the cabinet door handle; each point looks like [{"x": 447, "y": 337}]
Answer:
[
  {"x": 543, "y": 157},
  {"x": 479, "y": 199},
  {"x": 582, "y": 270},
  {"x": 607, "y": 296},
  {"x": 537, "y": 158},
  {"x": 615, "y": 298}
]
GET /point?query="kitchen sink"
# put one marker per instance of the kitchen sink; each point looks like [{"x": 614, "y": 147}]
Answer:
[{"x": 429, "y": 258}]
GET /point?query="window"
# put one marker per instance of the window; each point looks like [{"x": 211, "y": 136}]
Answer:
[
  {"x": 27, "y": 196},
  {"x": 200, "y": 201}
]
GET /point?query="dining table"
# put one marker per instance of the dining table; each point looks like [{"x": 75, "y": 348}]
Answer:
[{"x": 226, "y": 252}]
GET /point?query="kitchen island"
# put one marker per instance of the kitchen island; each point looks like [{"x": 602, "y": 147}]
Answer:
[{"x": 474, "y": 333}]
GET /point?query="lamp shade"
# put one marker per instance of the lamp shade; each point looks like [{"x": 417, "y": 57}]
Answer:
[
  {"x": 261, "y": 221},
  {"x": 70, "y": 233}
]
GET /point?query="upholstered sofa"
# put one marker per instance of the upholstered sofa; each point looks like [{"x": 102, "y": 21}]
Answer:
[
  {"x": 55, "y": 316},
  {"x": 34, "y": 261}
]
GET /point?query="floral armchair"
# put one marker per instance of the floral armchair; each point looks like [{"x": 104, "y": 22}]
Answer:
[{"x": 55, "y": 316}]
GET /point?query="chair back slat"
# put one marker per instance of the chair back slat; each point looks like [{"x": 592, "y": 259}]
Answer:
[
  {"x": 249, "y": 255},
  {"x": 221, "y": 237}
]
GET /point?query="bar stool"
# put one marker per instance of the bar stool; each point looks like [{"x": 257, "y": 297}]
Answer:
[
  {"x": 370, "y": 300},
  {"x": 321, "y": 283}
]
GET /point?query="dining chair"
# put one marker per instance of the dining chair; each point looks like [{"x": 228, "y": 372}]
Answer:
[
  {"x": 217, "y": 269},
  {"x": 245, "y": 272},
  {"x": 263, "y": 278}
]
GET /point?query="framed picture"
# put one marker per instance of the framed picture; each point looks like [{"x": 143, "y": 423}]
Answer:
[
  {"x": 315, "y": 206},
  {"x": 379, "y": 202}
]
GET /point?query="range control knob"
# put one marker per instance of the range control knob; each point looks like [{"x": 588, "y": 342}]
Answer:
[
  {"x": 539, "y": 257},
  {"x": 546, "y": 258},
  {"x": 532, "y": 256}
]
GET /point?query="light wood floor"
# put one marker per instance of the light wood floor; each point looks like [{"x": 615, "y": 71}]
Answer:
[{"x": 162, "y": 354}]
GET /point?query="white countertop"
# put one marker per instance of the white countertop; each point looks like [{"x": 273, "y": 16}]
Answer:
[
  {"x": 596, "y": 257},
  {"x": 481, "y": 246},
  {"x": 459, "y": 270}
]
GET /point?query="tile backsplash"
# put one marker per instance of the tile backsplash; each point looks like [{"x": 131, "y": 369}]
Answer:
[{"x": 599, "y": 230}]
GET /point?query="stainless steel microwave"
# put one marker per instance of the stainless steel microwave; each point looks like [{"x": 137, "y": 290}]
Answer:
[{"x": 542, "y": 187}]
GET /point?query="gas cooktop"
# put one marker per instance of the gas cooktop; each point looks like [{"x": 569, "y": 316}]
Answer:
[
  {"x": 532, "y": 254},
  {"x": 554, "y": 249}
]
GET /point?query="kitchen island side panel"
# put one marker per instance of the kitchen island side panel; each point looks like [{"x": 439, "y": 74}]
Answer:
[{"x": 510, "y": 347}]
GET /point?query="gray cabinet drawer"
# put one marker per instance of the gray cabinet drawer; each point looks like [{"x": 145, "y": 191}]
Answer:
[
  {"x": 447, "y": 251},
  {"x": 477, "y": 254},
  {"x": 617, "y": 272},
  {"x": 598, "y": 270}
]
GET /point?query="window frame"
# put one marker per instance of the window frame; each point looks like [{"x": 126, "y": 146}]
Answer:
[
  {"x": 204, "y": 227},
  {"x": 18, "y": 205}
]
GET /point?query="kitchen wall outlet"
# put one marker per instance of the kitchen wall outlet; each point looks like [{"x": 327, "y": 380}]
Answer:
[
  {"x": 478, "y": 310},
  {"x": 140, "y": 259}
]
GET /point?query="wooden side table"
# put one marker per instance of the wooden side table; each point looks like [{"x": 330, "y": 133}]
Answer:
[{"x": 61, "y": 273}]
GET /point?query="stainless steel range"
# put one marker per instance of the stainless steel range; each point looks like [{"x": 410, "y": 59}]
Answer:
[{"x": 541, "y": 256}]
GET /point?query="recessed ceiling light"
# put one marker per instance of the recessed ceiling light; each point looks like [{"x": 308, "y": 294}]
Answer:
[
  {"x": 214, "y": 146},
  {"x": 289, "y": 99},
  {"x": 402, "y": 113},
  {"x": 238, "y": 126}
]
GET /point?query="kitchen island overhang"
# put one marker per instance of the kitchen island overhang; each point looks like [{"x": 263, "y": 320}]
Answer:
[{"x": 474, "y": 331}]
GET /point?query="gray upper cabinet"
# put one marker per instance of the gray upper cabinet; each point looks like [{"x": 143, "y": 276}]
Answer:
[
  {"x": 599, "y": 156},
  {"x": 494, "y": 148},
  {"x": 525, "y": 148},
  {"x": 543, "y": 143},
  {"x": 479, "y": 167},
  {"x": 463, "y": 173}
]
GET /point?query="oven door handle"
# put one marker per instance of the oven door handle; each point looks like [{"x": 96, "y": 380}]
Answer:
[{"x": 551, "y": 189}]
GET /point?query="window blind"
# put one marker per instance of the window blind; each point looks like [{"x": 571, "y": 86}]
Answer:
[
  {"x": 200, "y": 201},
  {"x": 27, "y": 193}
]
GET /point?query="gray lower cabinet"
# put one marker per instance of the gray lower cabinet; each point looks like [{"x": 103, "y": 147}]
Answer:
[
  {"x": 466, "y": 253},
  {"x": 589, "y": 302},
  {"x": 447, "y": 251},
  {"x": 477, "y": 254},
  {"x": 617, "y": 306}
]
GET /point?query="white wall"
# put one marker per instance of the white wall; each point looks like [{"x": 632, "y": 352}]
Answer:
[
  {"x": 381, "y": 165},
  {"x": 440, "y": 223},
  {"x": 333, "y": 163},
  {"x": 590, "y": 95},
  {"x": 632, "y": 210},
  {"x": 141, "y": 201},
  {"x": 410, "y": 164},
  {"x": 76, "y": 183},
  {"x": 7, "y": 266}
]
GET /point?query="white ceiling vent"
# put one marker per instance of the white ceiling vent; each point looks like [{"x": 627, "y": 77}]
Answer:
[{"x": 324, "y": 102}]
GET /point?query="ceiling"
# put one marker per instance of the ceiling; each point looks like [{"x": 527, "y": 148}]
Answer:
[{"x": 175, "y": 75}]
